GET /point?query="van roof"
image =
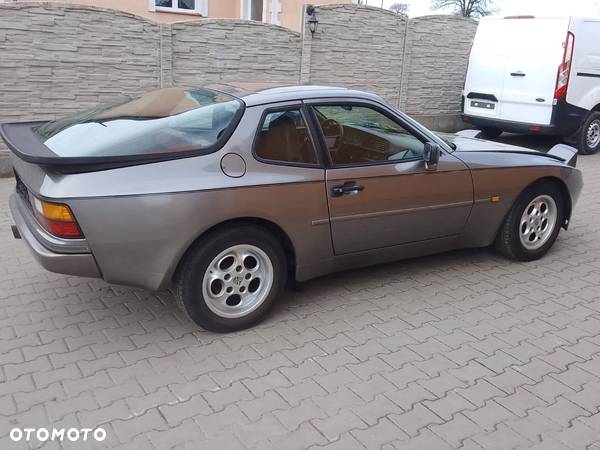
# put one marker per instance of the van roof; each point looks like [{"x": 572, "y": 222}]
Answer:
[{"x": 529, "y": 17}]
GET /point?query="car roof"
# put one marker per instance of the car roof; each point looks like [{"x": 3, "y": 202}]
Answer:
[{"x": 253, "y": 94}]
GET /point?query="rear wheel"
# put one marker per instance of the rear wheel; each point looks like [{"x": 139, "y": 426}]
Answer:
[
  {"x": 589, "y": 140},
  {"x": 533, "y": 223},
  {"x": 490, "y": 132},
  {"x": 231, "y": 278}
]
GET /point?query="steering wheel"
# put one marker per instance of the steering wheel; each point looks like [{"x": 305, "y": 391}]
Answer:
[{"x": 333, "y": 132}]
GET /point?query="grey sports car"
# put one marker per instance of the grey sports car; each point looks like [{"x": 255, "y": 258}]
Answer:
[{"x": 229, "y": 191}]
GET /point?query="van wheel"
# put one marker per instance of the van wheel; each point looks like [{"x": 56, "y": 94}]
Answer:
[
  {"x": 490, "y": 132},
  {"x": 589, "y": 141},
  {"x": 533, "y": 223},
  {"x": 231, "y": 278}
]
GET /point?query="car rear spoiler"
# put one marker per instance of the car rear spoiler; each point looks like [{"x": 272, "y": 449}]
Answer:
[
  {"x": 562, "y": 152},
  {"x": 21, "y": 139},
  {"x": 565, "y": 152}
]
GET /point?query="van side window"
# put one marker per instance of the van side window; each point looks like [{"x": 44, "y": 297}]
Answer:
[{"x": 283, "y": 137}]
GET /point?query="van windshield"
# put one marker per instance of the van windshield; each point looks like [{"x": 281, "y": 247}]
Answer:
[{"x": 168, "y": 120}]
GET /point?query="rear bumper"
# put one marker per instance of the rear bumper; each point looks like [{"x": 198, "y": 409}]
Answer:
[
  {"x": 509, "y": 126},
  {"x": 566, "y": 120},
  {"x": 80, "y": 264}
]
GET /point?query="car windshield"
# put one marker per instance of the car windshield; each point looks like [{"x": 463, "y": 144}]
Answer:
[{"x": 168, "y": 120}]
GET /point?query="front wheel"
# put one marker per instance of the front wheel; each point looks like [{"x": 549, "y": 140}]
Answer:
[
  {"x": 533, "y": 223},
  {"x": 589, "y": 140},
  {"x": 231, "y": 278}
]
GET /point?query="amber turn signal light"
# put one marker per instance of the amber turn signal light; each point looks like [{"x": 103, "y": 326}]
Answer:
[{"x": 56, "y": 218}]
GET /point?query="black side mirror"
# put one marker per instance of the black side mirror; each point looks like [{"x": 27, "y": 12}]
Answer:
[{"x": 431, "y": 155}]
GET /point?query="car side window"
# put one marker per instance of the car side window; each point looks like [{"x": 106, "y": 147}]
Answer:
[
  {"x": 362, "y": 135},
  {"x": 283, "y": 137}
]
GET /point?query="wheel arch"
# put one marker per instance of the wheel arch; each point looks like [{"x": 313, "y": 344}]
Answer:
[
  {"x": 278, "y": 232},
  {"x": 563, "y": 189}
]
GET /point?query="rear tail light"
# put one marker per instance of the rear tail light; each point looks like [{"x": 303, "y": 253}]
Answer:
[
  {"x": 56, "y": 218},
  {"x": 564, "y": 70}
]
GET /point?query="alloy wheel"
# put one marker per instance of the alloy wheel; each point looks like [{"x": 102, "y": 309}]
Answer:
[
  {"x": 237, "y": 281},
  {"x": 538, "y": 222}
]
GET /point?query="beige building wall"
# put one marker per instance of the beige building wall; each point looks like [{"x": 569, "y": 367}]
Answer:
[
  {"x": 228, "y": 9},
  {"x": 289, "y": 14}
]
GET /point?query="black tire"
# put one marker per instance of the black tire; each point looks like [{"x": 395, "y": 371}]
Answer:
[
  {"x": 591, "y": 125},
  {"x": 508, "y": 241},
  {"x": 490, "y": 132},
  {"x": 190, "y": 276}
]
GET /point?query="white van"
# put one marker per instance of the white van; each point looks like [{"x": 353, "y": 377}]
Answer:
[{"x": 536, "y": 75}]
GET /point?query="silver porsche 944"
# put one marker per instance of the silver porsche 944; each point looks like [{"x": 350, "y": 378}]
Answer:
[{"x": 228, "y": 192}]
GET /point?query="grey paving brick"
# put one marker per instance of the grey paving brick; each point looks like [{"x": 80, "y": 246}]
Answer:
[
  {"x": 533, "y": 425},
  {"x": 456, "y": 430},
  {"x": 139, "y": 425},
  {"x": 383, "y": 432},
  {"x": 332, "y": 427},
  {"x": 94, "y": 418},
  {"x": 298, "y": 392},
  {"x": 229, "y": 418},
  {"x": 413, "y": 393},
  {"x": 490, "y": 415},
  {"x": 549, "y": 389},
  {"x": 305, "y": 436},
  {"x": 414, "y": 420},
  {"x": 374, "y": 410},
  {"x": 107, "y": 395},
  {"x": 562, "y": 411},
  {"x": 218, "y": 399},
  {"x": 501, "y": 438},
  {"x": 292, "y": 417},
  {"x": 270, "y": 401},
  {"x": 588, "y": 397},
  {"x": 176, "y": 414}
]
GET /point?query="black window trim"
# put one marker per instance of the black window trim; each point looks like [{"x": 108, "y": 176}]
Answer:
[
  {"x": 375, "y": 106},
  {"x": 299, "y": 106}
]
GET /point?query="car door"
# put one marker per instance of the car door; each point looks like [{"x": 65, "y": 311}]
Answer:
[{"x": 379, "y": 191}]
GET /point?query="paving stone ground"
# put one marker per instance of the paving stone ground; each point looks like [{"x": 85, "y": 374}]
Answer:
[{"x": 462, "y": 350}]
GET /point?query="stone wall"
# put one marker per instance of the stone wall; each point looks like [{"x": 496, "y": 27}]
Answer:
[
  {"x": 418, "y": 65},
  {"x": 437, "y": 53},
  {"x": 55, "y": 60},
  {"x": 234, "y": 50},
  {"x": 58, "y": 58},
  {"x": 358, "y": 47}
]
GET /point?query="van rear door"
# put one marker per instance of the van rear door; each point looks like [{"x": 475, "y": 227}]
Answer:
[
  {"x": 534, "y": 49},
  {"x": 485, "y": 74},
  {"x": 519, "y": 57}
]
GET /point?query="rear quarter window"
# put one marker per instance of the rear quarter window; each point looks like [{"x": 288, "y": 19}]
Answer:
[{"x": 170, "y": 120}]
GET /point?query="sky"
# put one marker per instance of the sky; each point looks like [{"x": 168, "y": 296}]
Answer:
[{"x": 547, "y": 8}]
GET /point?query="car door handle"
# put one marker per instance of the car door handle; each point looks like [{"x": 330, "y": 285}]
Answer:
[
  {"x": 517, "y": 74},
  {"x": 348, "y": 188}
]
